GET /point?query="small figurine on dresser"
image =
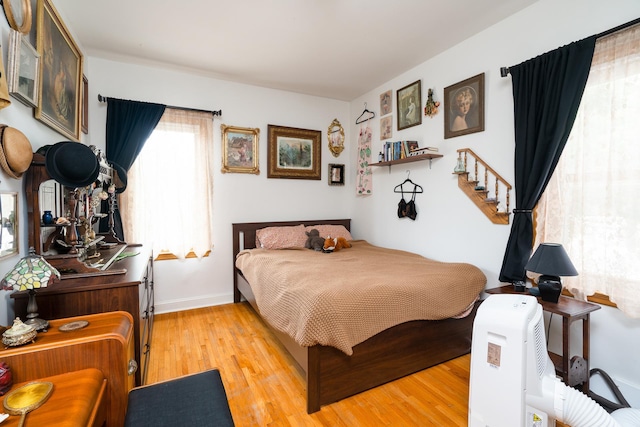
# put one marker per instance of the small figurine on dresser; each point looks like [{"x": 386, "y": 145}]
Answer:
[{"x": 20, "y": 333}]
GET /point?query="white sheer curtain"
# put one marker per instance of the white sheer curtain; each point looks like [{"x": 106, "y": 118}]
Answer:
[
  {"x": 592, "y": 203},
  {"x": 168, "y": 203}
]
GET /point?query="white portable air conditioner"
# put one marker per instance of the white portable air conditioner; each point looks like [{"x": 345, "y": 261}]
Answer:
[{"x": 513, "y": 381}]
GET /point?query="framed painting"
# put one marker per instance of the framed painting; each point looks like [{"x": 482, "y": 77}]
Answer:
[
  {"x": 386, "y": 127},
  {"x": 240, "y": 149},
  {"x": 336, "y": 174},
  {"x": 24, "y": 69},
  {"x": 464, "y": 107},
  {"x": 385, "y": 103},
  {"x": 293, "y": 153},
  {"x": 60, "y": 88},
  {"x": 409, "y": 104}
]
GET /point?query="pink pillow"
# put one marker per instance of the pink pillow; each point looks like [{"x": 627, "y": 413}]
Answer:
[
  {"x": 327, "y": 230},
  {"x": 281, "y": 237}
]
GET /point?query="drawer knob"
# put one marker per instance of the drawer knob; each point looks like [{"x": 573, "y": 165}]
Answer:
[{"x": 133, "y": 367}]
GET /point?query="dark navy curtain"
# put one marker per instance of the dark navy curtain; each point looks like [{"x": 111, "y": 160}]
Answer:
[
  {"x": 546, "y": 94},
  {"x": 129, "y": 125}
]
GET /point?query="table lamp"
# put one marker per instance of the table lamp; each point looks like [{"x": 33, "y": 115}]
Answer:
[
  {"x": 30, "y": 273},
  {"x": 551, "y": 261}
]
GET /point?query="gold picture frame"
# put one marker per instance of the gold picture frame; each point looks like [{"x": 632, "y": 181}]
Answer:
[
  {"x": 293, "y": 153},
  {"x": 335, "y": 135},
  {"x": 240, "y": 149},
  {"x": 60, "y": 89}
]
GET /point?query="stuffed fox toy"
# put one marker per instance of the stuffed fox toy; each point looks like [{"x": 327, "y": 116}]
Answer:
[{"x": 333, "y": 244}]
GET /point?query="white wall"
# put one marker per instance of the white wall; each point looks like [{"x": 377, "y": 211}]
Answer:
[
  {"x": 237, "y": 197},
  {"x": 449, "y": 227}
]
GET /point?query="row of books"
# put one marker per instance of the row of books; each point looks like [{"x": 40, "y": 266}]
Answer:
[{"x": 396, "y": 150}]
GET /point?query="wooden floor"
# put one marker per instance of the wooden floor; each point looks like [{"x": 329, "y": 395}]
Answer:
[{"x": 265, "y": 388}]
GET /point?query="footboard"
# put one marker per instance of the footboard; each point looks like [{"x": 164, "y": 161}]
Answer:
[{"x": 394, "y": 353}]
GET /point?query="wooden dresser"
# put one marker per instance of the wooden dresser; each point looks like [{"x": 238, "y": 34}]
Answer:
[
  {"x": 131, "y": 292},
  {"x": 106, "y": 344}
]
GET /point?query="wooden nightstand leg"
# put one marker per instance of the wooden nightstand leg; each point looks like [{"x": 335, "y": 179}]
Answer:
[
  {"x": 585, "y": 350},
  {"x": 565, "y": 349}
]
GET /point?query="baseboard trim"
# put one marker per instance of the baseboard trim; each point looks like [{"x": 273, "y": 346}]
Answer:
[{"x": 191, "y": 303}]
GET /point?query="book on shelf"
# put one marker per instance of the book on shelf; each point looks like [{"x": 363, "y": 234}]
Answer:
[{"x": 396, "y": 150}]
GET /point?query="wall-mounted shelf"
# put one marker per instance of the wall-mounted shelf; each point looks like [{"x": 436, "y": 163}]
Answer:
[{"x": 410, "y": 159}]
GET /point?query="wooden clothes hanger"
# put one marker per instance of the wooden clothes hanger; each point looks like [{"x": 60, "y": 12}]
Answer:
[{"x": 365, "y": 116}]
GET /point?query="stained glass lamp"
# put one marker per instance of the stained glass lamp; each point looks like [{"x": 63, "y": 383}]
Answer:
[{"x": 30, "y": 273}]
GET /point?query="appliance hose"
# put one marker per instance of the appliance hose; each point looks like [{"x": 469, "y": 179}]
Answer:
[{"x": 579, "y": 410}]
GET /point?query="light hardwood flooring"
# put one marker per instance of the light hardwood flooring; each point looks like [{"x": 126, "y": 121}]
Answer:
[{"x": 265, "y": 387}]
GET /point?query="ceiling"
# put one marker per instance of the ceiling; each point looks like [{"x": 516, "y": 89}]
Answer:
[{"x": 338, "y": 49}]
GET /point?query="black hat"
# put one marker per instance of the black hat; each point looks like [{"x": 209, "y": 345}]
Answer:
[{"x": 72, "y": 164}]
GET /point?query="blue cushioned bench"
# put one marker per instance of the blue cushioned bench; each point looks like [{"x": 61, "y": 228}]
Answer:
[{"x": 193, "y": 400}]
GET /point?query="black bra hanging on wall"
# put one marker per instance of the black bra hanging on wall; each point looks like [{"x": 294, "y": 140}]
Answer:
[{"x": 408, "y": 209}]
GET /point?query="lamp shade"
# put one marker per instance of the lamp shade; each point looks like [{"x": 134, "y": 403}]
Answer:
[
  {"x": 551, "y": 259},
  {"x": 31, "y": 272}
]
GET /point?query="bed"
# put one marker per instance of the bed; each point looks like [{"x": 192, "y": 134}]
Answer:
[{"x": 333, "y": 374}]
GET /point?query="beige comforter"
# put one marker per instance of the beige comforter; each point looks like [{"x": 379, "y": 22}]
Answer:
[{"x": 341, "y": 299}]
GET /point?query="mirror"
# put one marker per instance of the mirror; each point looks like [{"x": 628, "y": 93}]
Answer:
[
  {"x": 9, "y": 230},
  {"x": 335, "y": 134},
  {"x": 18, "y": 13},
  {"x": 50, "y": 195}
]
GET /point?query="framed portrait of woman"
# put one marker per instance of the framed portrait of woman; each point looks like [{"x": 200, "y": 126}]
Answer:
[
  {"x": 60, "y": 92},
  {"x": 464, "y": 107},
  {"x": 408, "y": 102}
]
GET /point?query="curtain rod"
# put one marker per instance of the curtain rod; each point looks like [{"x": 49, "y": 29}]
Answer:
[
  {"x": 504, "y": 71},
  {"x": 215, "y": 113}
]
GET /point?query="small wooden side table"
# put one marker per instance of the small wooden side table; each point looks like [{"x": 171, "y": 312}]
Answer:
[
  {"x": 77, "y": 400},
  {"x": 573, "y": 370}
]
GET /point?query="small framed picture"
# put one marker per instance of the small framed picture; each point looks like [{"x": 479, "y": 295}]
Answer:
[
  {"x": 336, "y": 174},
  {"x": 386, "y": 127},
  {"x": 293, "y": 153},
  {"x": 385, "y": 103},
  {"x": 240, "y": 149},
  {"x": 409, "y": 104},
  {"x": 24, "y": 69},
  {"x": 464, "y": 107}
]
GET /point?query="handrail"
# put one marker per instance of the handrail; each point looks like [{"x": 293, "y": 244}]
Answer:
[{"x": 486, "y": 166}]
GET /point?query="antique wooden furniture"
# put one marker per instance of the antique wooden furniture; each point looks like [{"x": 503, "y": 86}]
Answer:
[
  {"x": 391, "y": 354},
  {"x": 131, "y": 292},
  {"x": 125, "y": 284},
  {"x": 77, "y": 400},
  {"x": 106, "y": 344},
  {"x": 573, "y": 370}
]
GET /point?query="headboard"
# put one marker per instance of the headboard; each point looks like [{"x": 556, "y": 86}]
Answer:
[{"x": 244, "y": 235}]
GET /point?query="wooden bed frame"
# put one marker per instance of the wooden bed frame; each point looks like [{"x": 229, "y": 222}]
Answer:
[{"x": 402, "y": 350}]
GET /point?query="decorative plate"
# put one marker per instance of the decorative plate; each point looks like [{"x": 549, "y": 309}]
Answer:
[{"x": 73, "y": 326}]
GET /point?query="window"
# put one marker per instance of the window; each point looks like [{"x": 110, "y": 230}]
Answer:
[
  {"x": 591, "y": 204},
  {"x": 169, "y": 198}
]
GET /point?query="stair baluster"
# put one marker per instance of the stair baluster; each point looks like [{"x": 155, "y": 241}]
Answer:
[{"x": 480, "y": 195}]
